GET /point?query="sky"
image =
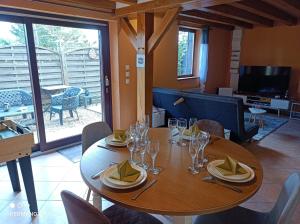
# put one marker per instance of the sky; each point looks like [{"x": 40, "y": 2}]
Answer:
[{"x": 92, "y": 35}]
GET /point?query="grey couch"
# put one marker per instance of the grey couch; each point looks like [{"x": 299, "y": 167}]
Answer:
[{"x": 228, "y": 111}]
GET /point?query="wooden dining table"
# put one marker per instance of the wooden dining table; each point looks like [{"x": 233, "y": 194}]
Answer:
[{"x": 177, "y": 193}]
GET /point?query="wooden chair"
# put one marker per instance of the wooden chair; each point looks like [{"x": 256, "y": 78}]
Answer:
[
  {"x": 91, "y": 134},
  {"x": 81, "y": 212},
  {"x": 281, "y": 213},
  {"x": 213, "y": 127}
]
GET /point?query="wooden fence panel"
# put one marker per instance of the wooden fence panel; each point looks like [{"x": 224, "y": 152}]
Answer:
[{"x": 80, "y": 68}]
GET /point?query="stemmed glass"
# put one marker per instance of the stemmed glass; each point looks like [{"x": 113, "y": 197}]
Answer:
[
  {"x": 192, "y": 122},
  {"x": 194, "y": 150},
  {"x": 142, "y": 147},
  {"x": 172, "y": 124},
  {"x": 153, "y": 149},
  {"x": 131, "y": 148},
  {"x": 181, "y": 125},
  {"x": 204, "y": 140}
]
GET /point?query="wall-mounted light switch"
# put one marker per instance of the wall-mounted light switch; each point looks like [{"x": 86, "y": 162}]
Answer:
[{"x": 127, "y": 74}]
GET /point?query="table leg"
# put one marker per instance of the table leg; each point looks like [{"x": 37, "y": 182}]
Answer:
[
  {"x": 26, "y": 169},
  {"x": 97, "y": 201},
  {"x": 13, "y": 175}
]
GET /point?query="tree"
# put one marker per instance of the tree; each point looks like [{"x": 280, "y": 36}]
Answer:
[
  {"x": 4, "y": 43},
  {"x": 56, "y": 38}
]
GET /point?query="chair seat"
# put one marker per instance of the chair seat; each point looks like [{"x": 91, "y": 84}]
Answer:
[
  {"x": 120, "y": 215},
  {"x": 56, "y": 108},
  {"x": 236, "y": 215}
]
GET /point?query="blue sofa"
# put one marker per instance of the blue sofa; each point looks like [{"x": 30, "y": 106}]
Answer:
[{"x": 228, "y": 111}]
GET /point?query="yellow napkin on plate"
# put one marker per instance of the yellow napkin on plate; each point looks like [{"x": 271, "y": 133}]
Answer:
[
  {"x": 119, "y": 136},
  {"x": 191, "y": 130},
  {"x": 125, "y": 172},
  {"x": 230, "y": 167}
]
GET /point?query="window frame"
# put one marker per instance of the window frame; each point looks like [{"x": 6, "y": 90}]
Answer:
[{"x": 185, "y": 29}]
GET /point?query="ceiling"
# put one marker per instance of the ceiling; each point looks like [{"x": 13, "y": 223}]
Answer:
[{"x": 225, "y": 14}]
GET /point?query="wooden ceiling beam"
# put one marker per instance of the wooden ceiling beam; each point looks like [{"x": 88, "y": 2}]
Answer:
[
  {"x": 294, "y": 3},
  {"x": 186, "y": 24},
  {"x": 269, "y": 10},
  {"x": 165, "y": 24},
  {"x": 212, "y": 17},
  {"x": 235, "y": 12},
  {"x": 130, "y": 32},
  {"x": 150, "y": 6},
  {"x": 282, "y": 4},
  {"x": 129, "y": 2},
  {"x": 100, "y": 5},
  {"x": 201, "y": 21},
  {"x": 43, "y": 7}
]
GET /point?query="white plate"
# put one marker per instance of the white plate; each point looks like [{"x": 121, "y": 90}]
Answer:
[
  {"x": 109, "y": 140},
  {"x": 211, "y": 168},
  {"x": 117, "y": 184}
]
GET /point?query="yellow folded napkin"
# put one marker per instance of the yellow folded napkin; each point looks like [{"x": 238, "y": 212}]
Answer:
[
  {"x": 230, "y": 167},
  {"x": 125, "y": 172},
  {"x": 119, "y": 136},
  {"x": 192, "y": 130}
]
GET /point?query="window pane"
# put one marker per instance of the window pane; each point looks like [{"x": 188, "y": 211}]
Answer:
[
  {"x": 70, "y": 67},
  {"x": 16, "y": 98},
  {"x": 186, "y": 41}
]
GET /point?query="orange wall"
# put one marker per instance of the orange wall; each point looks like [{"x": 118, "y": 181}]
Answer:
[
  {"x": 219, "y": 55},
  {"x": 128, "y": 97},
  {"x": 165, "y": 62},
  {"x": 274, "y": 46}
]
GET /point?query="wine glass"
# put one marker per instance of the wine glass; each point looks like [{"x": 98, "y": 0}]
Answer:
[
  {"x": 204, "y": 140},
  {"x": 172, "y": 124},
  {"x": 193, "y": 150},
  {"x": 192, "y": 122},
  {"x": 153, "y": 149},
  {"x": 141, "y": 148},
  {"x": 181, "y": 125},
  {"x": 131, "y": 148}
]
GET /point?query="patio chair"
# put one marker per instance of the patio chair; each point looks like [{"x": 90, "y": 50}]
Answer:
[
  {"x": 80, "y": 212},
  {"x": 91, "y": 134},
  {"x": 281, "y": 213},
  {"x": 68, "y": 100}
]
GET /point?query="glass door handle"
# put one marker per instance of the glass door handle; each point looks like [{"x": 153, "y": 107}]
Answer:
[{"x": 106, "y": 81}]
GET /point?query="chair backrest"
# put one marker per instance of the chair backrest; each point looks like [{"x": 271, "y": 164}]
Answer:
[
  {"x": 94, "y": 132},
  {"x": 287, "y": 202},
  {"x": 213, "y": 127},
  {"x": 72, "y": 91},
  {"x": 79, "y": 211},
  {"x": 15, "y": 97}
]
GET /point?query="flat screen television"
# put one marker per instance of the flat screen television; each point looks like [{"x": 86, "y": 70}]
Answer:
[{"x": 264, "y": 80}]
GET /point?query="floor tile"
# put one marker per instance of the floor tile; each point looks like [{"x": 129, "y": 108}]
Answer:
[
  {"x": 51, "y": 159},
  {"x": 78, "y": 188},
  {"x": 51, "y": 212}
]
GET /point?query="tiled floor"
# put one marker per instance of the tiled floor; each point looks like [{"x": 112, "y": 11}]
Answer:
[
  {"x": 279, "y": 154},
  {"x": 52, "y": 173}
]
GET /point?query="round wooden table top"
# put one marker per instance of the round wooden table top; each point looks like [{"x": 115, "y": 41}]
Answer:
[{"x": 177, "y": 192}]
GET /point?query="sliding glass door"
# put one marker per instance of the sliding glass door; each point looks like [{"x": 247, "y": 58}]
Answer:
[
  {"x": 70, "y": 74},
  {"x": 16, "y": 95},
  {"x": 64, "y": 67}
]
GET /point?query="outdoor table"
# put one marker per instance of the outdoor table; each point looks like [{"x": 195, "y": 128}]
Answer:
[
  {"x": 47, "y": 91},
  {"x": 177, "y": 192},
  {"x": 16, "y": 111}
]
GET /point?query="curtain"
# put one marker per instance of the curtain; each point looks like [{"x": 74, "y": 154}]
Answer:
[{"x": 203, "y": 56}]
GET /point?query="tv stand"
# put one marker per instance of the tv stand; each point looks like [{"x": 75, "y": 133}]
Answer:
[{"x": 265, "y": 102}]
